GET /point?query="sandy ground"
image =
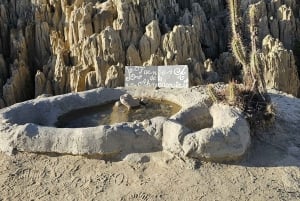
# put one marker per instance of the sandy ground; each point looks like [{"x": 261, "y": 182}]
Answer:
[{"x": 269, "y": 171}]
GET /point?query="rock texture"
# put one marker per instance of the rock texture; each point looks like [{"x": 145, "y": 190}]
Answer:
[
  {"x": 129, "y": 101},
  {"x": 269, "y": 171},
  {"x": 280, "y": 71},
  {"x": 225, "y": 140},
  {"x": 69, "y": 46},
  {"x": 195, "y": 131},
  {"x": 218, "y": 134}
]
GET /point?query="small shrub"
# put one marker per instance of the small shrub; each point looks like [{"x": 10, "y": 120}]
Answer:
[{"x": 257, "y": 111}]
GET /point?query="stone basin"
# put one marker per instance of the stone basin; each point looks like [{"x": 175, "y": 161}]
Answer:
[
  {"x": 198, "y": 130},
  {"x": 115, "y": 112}
]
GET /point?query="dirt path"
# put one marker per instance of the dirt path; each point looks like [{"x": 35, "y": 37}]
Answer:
[{"x": 155, "y": 177}]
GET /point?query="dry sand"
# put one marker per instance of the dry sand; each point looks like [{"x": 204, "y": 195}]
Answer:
[{"x": 269, "y": 171}]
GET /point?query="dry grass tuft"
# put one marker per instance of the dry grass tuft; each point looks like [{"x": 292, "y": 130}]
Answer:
[{"x": 259, "y": 112}]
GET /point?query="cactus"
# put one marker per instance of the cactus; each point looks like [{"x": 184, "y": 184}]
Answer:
[
  {"x": 212, "y": 93},
  {"x": 254, "y": 99},
  {"x": 234, "y": 7},
  {"x": 247, "y": 56},
  {"x": 239, "y": 50},
  {"x": 232, "y": 96}
]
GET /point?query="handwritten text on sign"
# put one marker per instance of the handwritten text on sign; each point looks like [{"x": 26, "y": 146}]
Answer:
[
  {"x": 173, "y": 76},
  {"x": 141, "y": 76},
  {"x": 161, "y": 76}
]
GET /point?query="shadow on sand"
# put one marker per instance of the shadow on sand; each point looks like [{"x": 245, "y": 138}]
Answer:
[{"x": 278, "y": 145}]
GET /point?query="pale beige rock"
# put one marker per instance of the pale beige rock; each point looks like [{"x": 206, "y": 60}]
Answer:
[
  {"x": 48, "y": 87},
  {"x": 78, "y": 78},
  {"x": 280, "y": 71},
  {"x": 182, "y": 44},
  {"x": 40, "y": 83},
  {"x": 80, "y": 25},
  {"x": 88, "y": 55},
  {"x": 35, "y": 131},
  {"x": 173, "y": 137},
  {"x": 227, "y": 139},
  {"x": 129, "y": 101},
  {"x": 112, "y": 47},
  {"x": 287, "y": 26},
  {"x": 17, "y": 87},
  {"x": 192, "y": 119},
  {"x": 261, "y": 15},
  {"x": 127, "y": 22},
  {"x": 219, "y": 133},
  {"x": 278, "y": 19},
  {"x": 207, "y": 30},
  {"x": 150, "y": 41},
  {"x": 90, "y": 80},
  {"x": 60, "y": 75},
  {"x": 8, "y": 93},
  {"x": 210, "y": 75},
  {"x": 114, "y": 76},
  {"x": 133, "y": 56},
  {"x": 106, "y": 14},
  {"x": 85, "y": 28},
  {"x": 155, "y": 60}
]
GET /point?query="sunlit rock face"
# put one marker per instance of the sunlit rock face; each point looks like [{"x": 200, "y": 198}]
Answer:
[{"x": 55, "y": 46}]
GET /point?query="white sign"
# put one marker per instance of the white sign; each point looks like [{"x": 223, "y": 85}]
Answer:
[{"x": 176, "y": 76}]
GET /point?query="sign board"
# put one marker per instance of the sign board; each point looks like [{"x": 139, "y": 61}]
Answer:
[
  {"x": 176, "y": 76},
  {"x": 173, "y": 76},
  {"x": 141, "y": 76}
]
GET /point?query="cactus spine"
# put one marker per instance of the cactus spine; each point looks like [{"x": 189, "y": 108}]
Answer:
[
  {"x": 254, "y": 100},
  {"x": 237, "y": 45},
  {"x": 212, "y": 93},
  {"x": 253, "y": 78},
  {"x": 231, "y": 93}
]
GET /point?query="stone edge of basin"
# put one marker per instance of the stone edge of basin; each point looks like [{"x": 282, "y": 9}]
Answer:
[
  {"x": 21, "y": 128},
  {"x": 227, "y": 139}
]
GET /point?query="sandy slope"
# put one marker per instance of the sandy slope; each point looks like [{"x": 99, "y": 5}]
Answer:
[{"x": 269, "y": 171}]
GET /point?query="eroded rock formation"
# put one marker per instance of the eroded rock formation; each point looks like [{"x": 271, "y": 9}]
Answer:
[
  {"x": 279, "y": 68},
  {"x": 56, "y": 46}
]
